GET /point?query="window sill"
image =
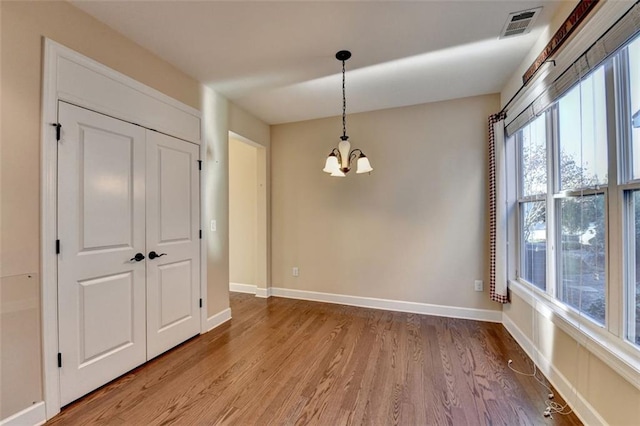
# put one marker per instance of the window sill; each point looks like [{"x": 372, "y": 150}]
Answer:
[{"x": 618, "y": 354}]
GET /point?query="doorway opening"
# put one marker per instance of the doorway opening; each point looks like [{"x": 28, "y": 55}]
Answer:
[{"x": 247, "y": 216}]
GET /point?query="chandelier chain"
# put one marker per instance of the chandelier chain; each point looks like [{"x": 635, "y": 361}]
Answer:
[{"x": 344, "y": 105}]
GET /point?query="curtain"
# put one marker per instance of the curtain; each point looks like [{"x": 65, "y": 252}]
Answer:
[{"x": 497, "y": 210}]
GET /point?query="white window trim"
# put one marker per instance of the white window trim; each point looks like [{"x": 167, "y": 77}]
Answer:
[{"x": 617, "y": 353}]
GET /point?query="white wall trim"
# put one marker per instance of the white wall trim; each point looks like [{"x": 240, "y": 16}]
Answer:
[
  {"x": 92, "y": 85},
  {"x": 70, "y": 76},
  {"x": 49, "y": 233},
  {"x": 31, "y": 416},
  {"x": 243, "y": 288},
  {"x": 218, "y": 319},
  {"x": 581, "y": 407},
  {"x": 264, "y": 293},
  {"x": 391, "y": 305},
  {"x": 614, "y": 352}
]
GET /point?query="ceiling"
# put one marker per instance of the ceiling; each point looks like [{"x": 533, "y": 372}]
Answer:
[{"x": 277, "y": 59}]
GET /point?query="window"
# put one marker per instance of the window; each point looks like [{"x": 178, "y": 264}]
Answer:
[
  {"x": 578, "y": 168},
  {"x": 582, "y": 165},
  {"x": 532, "y": 142},
  {"x": 581, "y": 267},
  {"x": 583, "y": 134}
]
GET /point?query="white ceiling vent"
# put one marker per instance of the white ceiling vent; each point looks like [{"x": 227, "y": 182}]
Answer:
[{"x": 520, "y": 22}]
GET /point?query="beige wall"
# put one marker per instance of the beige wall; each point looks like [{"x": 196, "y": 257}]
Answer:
[
  {"x": 243, "y": 212},
  {"x": 215, "y": 115},
  {"x": 220, "y": 117},
  {"x": 414, "y": 230},
  {"x": 248, "y": 126}
]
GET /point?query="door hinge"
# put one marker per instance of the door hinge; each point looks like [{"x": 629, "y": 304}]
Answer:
[
  {"x": 58, "y": 126},
  {"x": 57, "y": 246},
  {"x": 201, "y": 234},
  {"x": 59, "y": 360},
  {"x": 201, "y": 303},
  {"x": 199, "y": 164}
]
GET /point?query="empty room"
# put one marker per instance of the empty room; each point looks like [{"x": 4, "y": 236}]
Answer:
[{"x": 320, "y": 212}]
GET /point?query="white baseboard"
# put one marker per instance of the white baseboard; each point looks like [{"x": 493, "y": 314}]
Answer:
[
  {"x": 243, "y": 288},
  {"x": 219, "y": 318},
  {"x": 32, "y": 416},
  {"x": 264, "y": 292},
  {"x": 390, "y": 305},
  {"x": 585, "y": 411}
]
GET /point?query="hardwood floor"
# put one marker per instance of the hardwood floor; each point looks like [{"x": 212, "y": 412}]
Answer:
[{"x": 281, "y": 361}]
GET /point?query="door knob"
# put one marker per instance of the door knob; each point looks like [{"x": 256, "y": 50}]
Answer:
[
  {"x": 153, "y": 254},
  {"x": 138, "y": 257}
]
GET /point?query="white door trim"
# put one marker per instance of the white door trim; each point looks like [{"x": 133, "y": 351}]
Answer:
[{"x": 153, "y": 109}]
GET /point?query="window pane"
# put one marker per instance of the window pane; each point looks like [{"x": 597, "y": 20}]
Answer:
[
  {"x": 583, "y": 134},
  {"x": 534, "y": 243},
  {"x": 582, "y": 276},
  {"x": 634, "y": 80},
  {"x": 634, "y": 290},
  {"x": 534, "y": 157}
]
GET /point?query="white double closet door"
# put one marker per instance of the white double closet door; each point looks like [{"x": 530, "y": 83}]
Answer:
[{"x": 123, "y": 191}]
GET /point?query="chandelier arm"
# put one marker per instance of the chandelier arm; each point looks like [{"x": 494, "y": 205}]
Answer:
[
  {"x": 353, "y": 154},
  {"x": 336, "y": 152}
]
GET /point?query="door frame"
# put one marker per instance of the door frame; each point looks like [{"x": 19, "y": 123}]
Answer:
[{"x": 74, "y": 78}]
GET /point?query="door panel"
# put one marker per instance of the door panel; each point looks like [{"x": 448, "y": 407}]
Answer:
[
  {"x": 106, "y": 160},
  {"x": 109, "y": 298},
  {"x": 174, "y": 180},
  {"x": 173, "y": 229},
  {"x": 175, "y": 296},
  {"x": 101, "y": 226}
]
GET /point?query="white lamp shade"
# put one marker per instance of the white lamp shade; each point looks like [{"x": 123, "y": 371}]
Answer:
[
  {"x": 338, "y": 173},
  {"x": 331, "y": 165},
  {"x": 363, "y": 165}
]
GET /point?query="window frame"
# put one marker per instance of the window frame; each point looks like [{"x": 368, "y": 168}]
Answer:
[
  {"x": 523, "y": 199},
  {"x": 564, "y": 195}
]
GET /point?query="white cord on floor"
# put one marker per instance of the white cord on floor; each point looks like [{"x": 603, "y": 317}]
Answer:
[{"x": 552, "y": 406}]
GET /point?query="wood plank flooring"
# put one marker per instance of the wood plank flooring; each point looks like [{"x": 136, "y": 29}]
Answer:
[{"x": 291, "y": 362}]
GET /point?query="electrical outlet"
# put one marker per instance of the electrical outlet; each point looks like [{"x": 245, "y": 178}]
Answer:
[
  {"x": 295, "y": 271},
  {"x": 213, "y": 226},
  {"x": 478, "y": 285}
]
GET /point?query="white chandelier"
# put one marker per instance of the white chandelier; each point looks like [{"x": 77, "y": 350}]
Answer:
[{"x": 339, "y": 160}]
